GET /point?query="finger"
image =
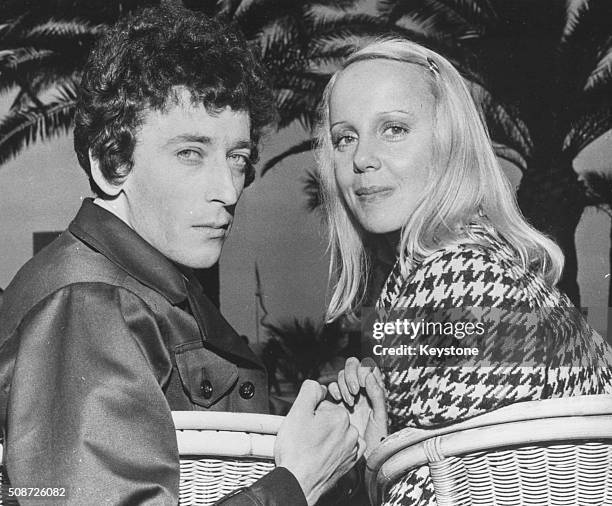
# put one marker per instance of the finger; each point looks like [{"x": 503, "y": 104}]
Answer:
[
  {"x": 332, "y": 408},
  {"x": 367, "y": 365},
  {"x": 310, "y": 396},
  {"x": 334, "y": 391},
  {"x": 361, "y": 447},
  {"x": 379, "y": 377},
  {"x": 376, "y": 395},
  {"x": 346, "y": 395},
  {"x": 362, "y": 374},
  {"x": 368, "y": 362},
  {"x": 351, "y": 374}
]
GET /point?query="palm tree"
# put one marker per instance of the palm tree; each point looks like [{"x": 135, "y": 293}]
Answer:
[
  {"x": 599, "y": 193},
  {"x": 299, "y": 350},
  {"x": 43, "y": 49},
  {"x": 542, "y": 71},
  {"x": 42, "y": 52}
]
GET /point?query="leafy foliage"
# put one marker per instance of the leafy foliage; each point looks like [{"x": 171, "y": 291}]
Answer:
[
  {"x": 300, "y": 349},
  {"x": 26, "y": 125},
  {"x": 44, "y": 47},
  {"x": 312, "y": 189}
]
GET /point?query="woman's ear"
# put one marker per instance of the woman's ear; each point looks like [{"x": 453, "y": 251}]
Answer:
[{"x": 110, "y": 188}]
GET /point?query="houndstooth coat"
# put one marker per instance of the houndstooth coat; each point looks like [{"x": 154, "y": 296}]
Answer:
[{"x": 535, "y": 344}]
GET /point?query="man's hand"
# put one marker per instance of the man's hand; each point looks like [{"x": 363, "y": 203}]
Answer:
[
  {"x": 361, "y": 388},
  {"x": 316, "y": 441}
]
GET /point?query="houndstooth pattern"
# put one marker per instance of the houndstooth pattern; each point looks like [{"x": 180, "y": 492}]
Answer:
[{"x": 484, "y": 281}]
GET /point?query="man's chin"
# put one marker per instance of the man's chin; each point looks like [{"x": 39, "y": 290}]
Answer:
[{"x": 203, "y": 261}]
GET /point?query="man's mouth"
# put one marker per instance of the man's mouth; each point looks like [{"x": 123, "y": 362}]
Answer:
[{"x": 214, "y": 230}]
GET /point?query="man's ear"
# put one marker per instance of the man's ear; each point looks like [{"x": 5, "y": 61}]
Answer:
[{"x": 110, "y": 188}]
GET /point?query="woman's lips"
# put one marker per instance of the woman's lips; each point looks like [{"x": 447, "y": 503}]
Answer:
[{"x": 372, "y": 193}]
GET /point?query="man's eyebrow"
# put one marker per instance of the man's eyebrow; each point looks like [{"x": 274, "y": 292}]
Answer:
[
  {"x": 202, "y": 139},
  {"x": 244, "y": 143}
]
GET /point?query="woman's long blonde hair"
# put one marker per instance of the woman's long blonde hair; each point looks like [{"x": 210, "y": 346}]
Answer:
[{"x": 466, "y": 181}]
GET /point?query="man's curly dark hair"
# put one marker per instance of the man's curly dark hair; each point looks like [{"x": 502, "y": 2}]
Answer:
[{"x": 135, "y": 66}]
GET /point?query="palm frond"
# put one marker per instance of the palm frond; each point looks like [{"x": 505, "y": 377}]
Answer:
[
  {"x": 510, "y": 155},
  {"x": 9, "y": 26},
  {"x": 14, "y": 58},
  {"x": 257, "y": 16},
  {"x": 63, "y": 30},
  {"x": 298, "y": 97},
  {"x": 461, "y": 18},
  {"x": 228, "y": 8},
  {"x": 299, "y": 349},
  {"x": 297, "y": 106},
  {"x": 505, "y": 125},
  {"x": 474, "y": 12},
  {"x": 312, "y": 189},
  {"x": 599, "y": 188},
  {"x": 593, "y": 123},
  {"x": 297, "y": 149},
  {"x": 585, "y": 41},
  {"x": 43, "y": 72},
  {"x": 601, "y": 76},
  {"x": 18, "y": 65},
  {"x": 20, "y": 128},
  {"x": 42, "y": 83}
]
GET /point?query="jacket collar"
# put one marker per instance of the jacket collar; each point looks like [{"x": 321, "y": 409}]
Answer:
[
  {"x": 110, "y": 236},
  {"x": 114, "y": 239}
]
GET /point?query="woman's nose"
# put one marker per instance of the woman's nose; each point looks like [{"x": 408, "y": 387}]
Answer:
[{"x": 365, "y": 158}]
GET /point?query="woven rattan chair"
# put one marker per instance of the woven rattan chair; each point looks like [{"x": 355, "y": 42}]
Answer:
[
  {"x": 220, "y": 452},
  {"x": 549, "y": 452}
]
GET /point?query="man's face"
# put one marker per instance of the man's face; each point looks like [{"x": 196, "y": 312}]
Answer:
[{"x": 188, "y": 173}]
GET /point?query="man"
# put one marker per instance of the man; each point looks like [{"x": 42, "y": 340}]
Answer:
[{"x": 106, "y": 331}]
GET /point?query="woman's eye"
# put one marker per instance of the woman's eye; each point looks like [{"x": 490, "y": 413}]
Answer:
[
  {"x": 189, "y": 155},
  {"x": 343, "y": 141},
  {"x": 395, "y": 131}
]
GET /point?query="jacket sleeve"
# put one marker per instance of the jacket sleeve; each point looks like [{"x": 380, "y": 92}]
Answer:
[
  {"x": 276, "y": 488},
  {"x": 86, "y": 413}
]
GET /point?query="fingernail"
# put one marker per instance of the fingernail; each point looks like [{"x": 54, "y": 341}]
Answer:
[{"x": 354, "y": 387}]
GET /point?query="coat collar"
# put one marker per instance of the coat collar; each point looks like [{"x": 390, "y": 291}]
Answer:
[
  {"x": 114, "y": 239},
  {"x": 110, "y": 236}
]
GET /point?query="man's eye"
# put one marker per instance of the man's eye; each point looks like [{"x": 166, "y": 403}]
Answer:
[
  {"x": 189, "y": 155},
  {"x": 239, "y": 161}
]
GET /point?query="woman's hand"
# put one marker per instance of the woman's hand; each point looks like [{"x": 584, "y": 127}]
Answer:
[{"x": 360, "y": 386}]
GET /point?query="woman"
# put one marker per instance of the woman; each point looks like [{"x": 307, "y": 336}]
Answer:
[{"x": 406, "y": 160}]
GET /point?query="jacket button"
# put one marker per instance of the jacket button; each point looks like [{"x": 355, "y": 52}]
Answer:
[
  {"x": 247, "y": 390},
  {"x": 206, "y": 389}
]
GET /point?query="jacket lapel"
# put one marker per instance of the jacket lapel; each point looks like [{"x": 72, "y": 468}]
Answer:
[{"x": 216, "y": 332}]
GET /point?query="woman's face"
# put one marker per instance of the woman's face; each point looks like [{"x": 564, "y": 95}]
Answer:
[{"x": 381, "y": 116}]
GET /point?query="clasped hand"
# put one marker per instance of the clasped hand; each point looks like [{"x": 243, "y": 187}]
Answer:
[
  {"x": 320, "y": 441},
  {"x": 360, "y": 387}
]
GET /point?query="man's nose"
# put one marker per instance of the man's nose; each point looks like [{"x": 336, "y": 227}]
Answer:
[
  {"x": 223, "y": 187},
  {"x": 365, "y": 157}
]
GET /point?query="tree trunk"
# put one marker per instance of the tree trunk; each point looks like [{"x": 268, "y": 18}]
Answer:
[
  {"x": 553, "y": 202},
  {"x": 610, "y": 275}
]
